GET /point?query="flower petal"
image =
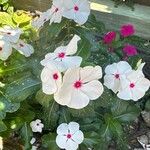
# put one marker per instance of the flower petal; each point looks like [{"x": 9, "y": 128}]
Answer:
[
  {"x": 123, "y": 67},
  {"x": 73, "y": 127},
  {"x": 61, "y": 141},
  {"x": 73, "y": 45},
  {"x": 62, "y": 129},
  {"x": 74, "y": 61},
  {"x": 78, "y": 137},
  {"x": 78, "y": 100},
  {"x": 125, "y": 94},
  {"x": 71, "y": 145},
  {"x": 93, "y": 89},
  {"x": 90, "y": 73},
  {"x": 5, "y": 50}
]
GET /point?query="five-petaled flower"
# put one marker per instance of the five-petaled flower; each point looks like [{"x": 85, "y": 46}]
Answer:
[
  {"x": 80, "y": 85},
  {"x": 37, "y": 126},
  {"x": 61, "y": 58},
  {"x": 114, "y": 74},
  {"x": 69, "y": 136},
  {"x": 134, "y": 86},
  {"x": 78, "y": 10}
]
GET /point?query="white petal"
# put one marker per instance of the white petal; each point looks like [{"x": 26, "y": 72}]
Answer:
[
  {"x": 143, "y": 84},
  {"x": 71, "y": 145},
  {"x": 137, "y": 93},
  {"x": 24, "y": 48},
  {"x": 125, "y": 94},
  {"x": 6, "y": 50},
  {"x": 90, "y": 73},
  {"x": 111, "y": 83},
  {"x": 73, "y": 45},
  {"x": 93, "y": 89},
  {"x": 78, "y": 137},
  {"x": 62, "y": 129},
  {"x": 72, "y": 61},
  {"x": 111, "y": 69},
  {"x": 61, "y": 141},
  {"x": 78, "y": 100},
  {"x": 69, "y": 13},
  {"x": 73, "y": 127},
  {"x": 123, "y": 67}
]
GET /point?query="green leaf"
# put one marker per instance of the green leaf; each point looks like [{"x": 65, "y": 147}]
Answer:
[
  {"x": 49, "y": 141},
  {"x": 21, "y": 17},
  {"x": 125, "y": 111},
  {"x": 2, "y": 126},
  {"x": 6, "y": 19},
  {"x": 43, "y": 99},
  {"x": 26, "y": 135},
  {"x": 19, "y": 90}
]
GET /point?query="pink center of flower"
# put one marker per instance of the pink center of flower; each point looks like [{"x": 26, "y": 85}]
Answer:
[
  {"x": 56, "y": 10},
  {"x": 21, "y": 45},
  {"x": 117, "y": 76},
  {"x": 132, "y": 85},
  {"x": 69, "y": 136},
  {"x": 78, "y": 84},
  {"x": 1, "y": 48},
  {"x": 76, "y": 8},
  {"x": 55, "y": 76},
  {"x": 8, "y": 33},
  {"x": 61, "y": 55}
]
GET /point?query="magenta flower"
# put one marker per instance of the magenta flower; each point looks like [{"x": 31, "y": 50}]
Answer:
[
  {"x": 127, "y": 30},
  {"x": 109, "y": 37},
  {"x": 130, "y": 50}
]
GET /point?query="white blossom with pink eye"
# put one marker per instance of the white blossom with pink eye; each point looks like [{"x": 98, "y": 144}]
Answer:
[
  {"x": 37, "y": 126},
  {"x": 5, "y": 49},
  {"x": 51, "y": 80},
  {"x": 114, "y": 74},
  {"x": 78, "y": 10},
  {"x": 10, "y": 34},
  {"x": 134, "y": 86},
  {"x": 61, "y": 58},
  {"x": 69, "y": 136},
  {"x": 24, "y": 48},
  {"x": 80, "y": 85}
]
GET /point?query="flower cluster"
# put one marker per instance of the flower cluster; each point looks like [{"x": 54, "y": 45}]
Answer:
[
  {"x": 9, "y": 39},
  {"x": 77, "y": 10},
  {"x": 78, "y": 85},
  {"x": 127, "y": 83},
  {"x": 125, "y": 31}
]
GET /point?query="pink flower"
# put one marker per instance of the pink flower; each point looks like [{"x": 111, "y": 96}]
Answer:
[
  {"x": 130, "y": 50},
  {"x": 109, "y": 37},
  {"x": 127, "y": 30}
]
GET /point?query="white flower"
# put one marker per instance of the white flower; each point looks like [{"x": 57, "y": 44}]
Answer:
[
  {"x": 10, "y": 34},
  {"x": 114, "y": 74},
  {"x": 78, "y": 10},
  {"x": 5, "y": 49},
  {"x": 69, "y": 136},
  {"x": 56, "y": 11},
  {"x": 134, "y": 86},
  {"x": 36, "y": 126},
  {"x": 39, "y": 22},
  {"x": 24, "y": 48},
  {"x": 61, "y": 56},
  {"x": 51, "y": 80},
  {"x": 80, "y": 85}
]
